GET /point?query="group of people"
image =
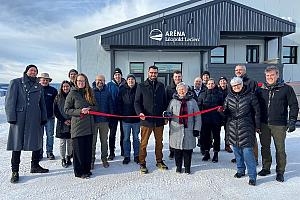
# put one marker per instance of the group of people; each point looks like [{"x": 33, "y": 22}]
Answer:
[{"x": 239, "y": 105}]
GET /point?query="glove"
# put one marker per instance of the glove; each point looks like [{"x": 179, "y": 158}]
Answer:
[
  {"x": 196, "y": 133},
  {"x": 167, "y": 114},
  {"x": 292, "y": 126},
  {"x": 43, "y": 123},
  {"x": 12, "y": 122}
]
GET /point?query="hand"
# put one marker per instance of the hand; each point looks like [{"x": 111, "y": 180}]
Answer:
[
  {"x": 12, "y": 122},
  {"x": 167, "y": 114},
  {"x": 292, "y": 126},
  {"x": 85, "y": 110},
  {"x": 196, "y": 133},
  {"x": 68, "y": 122},
  {"x": 166, "y": 121},
  {"x": 142, "y": 116},
  {"x": 220, "y": 109}
]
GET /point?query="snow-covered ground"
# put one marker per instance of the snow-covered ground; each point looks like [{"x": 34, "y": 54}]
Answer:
[{"x": 207, "y": 181}]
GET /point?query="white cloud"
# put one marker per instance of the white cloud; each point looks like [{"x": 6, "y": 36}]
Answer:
[{"x": 50, "y": 44}]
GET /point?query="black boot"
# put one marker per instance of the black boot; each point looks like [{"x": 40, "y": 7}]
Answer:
[
  {"x": 14, "y": 177},
  {"x": 38, "y": 169},
  {"x": 215, "y": 157},
  {"x": 279, "y": 177},
  {"x": 63, "y": 163},
  {"x": 69, "y": 160},
  {"x": 206, "y": 156}
]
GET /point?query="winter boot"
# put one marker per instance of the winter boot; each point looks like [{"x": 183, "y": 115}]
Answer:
[
  {"x": 69, "y": 160},
  {"x": 64, "y": 163},
  {"x": 215, "y": 157},
  {"x": 126, "y": 160},
  {"x": 50, "y": 156},
  {"x": 111, "y": 156},
  {"x": 264, "y": 172},
  {"x": 143, "y": 169},
  {"x": 239, "y": 175},
  {"x": 252, "y": 182},
  {"x": 105, "y": 163},
  {"x": 161, "y": 165},
  {"x": 14, "y": 177},
  {"x": 38, "y": 169},
  {"x": 279, "y": 177},
  {"x": 206, "y": 156}
]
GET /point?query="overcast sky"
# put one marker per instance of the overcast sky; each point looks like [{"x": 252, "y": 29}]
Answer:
[{"x": 41, "y": 32}]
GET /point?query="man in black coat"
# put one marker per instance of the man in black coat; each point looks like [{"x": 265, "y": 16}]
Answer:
[
  {"x": 275, "y": 97},
  {"x": 150, "y": 99},
  {"x": 170, "y": 90},
  {"x": 49, "y": 94}
]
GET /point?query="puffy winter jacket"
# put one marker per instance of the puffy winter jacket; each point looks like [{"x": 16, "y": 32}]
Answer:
[
  {"x": 104, "y": 102},
  {"x": 274, "y": 102},
  {"x": 80, "y": 125},
  {"x": 243, "y": 112}
]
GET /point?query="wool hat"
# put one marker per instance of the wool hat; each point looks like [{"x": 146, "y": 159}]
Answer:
[
  {"x": 29, "y": 66},
  {"x": 205, "y": 72},
  {"x": 130, "y": 76},
  {"x": 117, "y": 70},
  {"x": 45, "y": 76},
  {"x": 222, "y": 78}
]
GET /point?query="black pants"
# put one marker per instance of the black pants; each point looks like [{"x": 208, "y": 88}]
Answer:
[
  {"x": 15, "y": 160},
  {"x": 183, "y": 155},
  {"x": 214, "y": 130},
  {"x": 82, "y": 154},
  {"x": 113, "y": 125}
]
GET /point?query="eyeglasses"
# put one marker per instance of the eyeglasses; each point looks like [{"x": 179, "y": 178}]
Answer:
[{"x": 81, "y": 81}]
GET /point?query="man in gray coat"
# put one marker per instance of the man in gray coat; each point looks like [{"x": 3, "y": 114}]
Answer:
[{"x": 26, "y": 112}]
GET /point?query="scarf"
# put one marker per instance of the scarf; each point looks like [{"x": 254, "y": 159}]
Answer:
[{"x": 183, "y": 111}]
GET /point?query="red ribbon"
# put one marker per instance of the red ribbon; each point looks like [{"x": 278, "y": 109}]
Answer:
[{"x": 150, "y": 116}]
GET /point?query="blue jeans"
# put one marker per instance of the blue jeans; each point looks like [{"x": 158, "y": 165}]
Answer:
[
  {"x": 49, "y": 128},
  {"x": 127, "y": 127},
  {"x": 245, "y": 155}
]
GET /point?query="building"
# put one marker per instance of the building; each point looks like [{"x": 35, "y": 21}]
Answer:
[{"x": 192, "y": 37}]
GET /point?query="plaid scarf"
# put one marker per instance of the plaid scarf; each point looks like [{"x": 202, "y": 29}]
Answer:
[{"x": 183, "y": 111}]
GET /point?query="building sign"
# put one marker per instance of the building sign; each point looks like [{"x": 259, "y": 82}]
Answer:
[{"x": 171, "y": 36}]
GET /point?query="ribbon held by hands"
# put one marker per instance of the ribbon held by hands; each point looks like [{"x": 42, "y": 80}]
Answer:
[{"x": 151, "y": 116}]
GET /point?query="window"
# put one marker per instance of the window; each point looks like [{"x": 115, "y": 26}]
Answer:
[
  {"x": 137, "y": 68},
  {"x": 289, "y": 55},
  {"x": 252, "y": 54},
  {"x": 166, "y": 69},
  {"x": 218, "y": 55}
]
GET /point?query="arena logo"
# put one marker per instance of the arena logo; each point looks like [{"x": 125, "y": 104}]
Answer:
[
  {"x": 156, "y": 34},
  {"x": 171, "y": 36}
]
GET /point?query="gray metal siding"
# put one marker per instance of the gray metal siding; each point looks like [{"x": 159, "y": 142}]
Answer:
[
  {"x": 208, "y": 21},
  {"x": 254, "y": 71}
]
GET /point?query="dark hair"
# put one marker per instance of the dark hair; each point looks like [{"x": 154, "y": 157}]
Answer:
[
  {"x": 177, "y": 72},
  {"x": 72, "y": 70},
  {"x": 61, "y": 92},
  {"x": 153, "y": 67}
]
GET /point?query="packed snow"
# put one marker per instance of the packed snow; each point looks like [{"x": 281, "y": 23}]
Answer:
[{"x": 207, "y": 181}]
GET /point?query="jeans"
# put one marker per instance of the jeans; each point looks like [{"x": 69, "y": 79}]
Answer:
[
  {"x": 245, "y": 155},
  {"x": 49, "y": 128},
  {"x": 127, "y": 127}
]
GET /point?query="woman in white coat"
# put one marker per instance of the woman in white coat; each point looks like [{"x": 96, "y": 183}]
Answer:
[{"x": 183, "y": 130}]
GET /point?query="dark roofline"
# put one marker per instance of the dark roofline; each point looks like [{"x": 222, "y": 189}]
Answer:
[
  {"x": 175, "y": 7},
  {"x": 137, "y": 19}
]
